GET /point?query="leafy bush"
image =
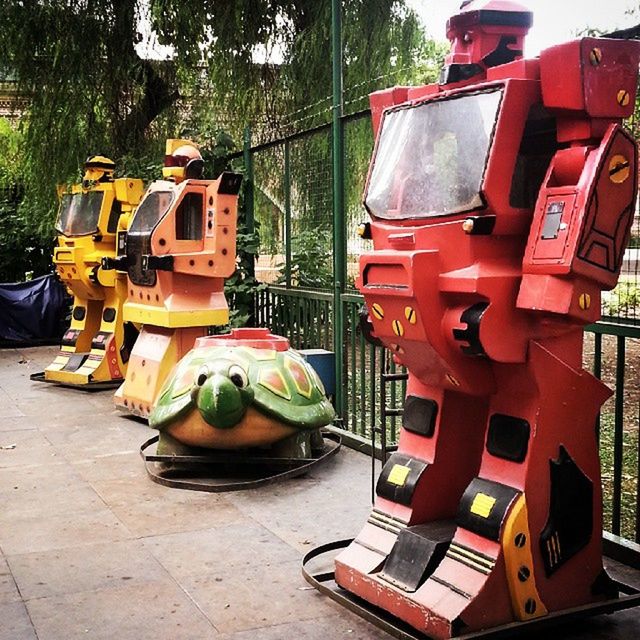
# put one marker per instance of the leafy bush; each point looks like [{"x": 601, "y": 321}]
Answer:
[
  {"x": 311, "y": 262},
  {"x": 623, "y": 301},
  {"x": 25, "y": 252}
]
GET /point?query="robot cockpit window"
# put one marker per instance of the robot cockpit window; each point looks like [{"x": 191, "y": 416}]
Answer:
[
  {"x": 431, "y": 157},
  {"x": 79, "y": 213},
  {"x": 189, "y": 217},
  {"x": 150, "y": 211}
]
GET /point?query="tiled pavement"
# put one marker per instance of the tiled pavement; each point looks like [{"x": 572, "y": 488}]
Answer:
[{"x": 91, "y": 548}]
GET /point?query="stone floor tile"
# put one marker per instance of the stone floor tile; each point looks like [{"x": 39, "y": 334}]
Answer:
[
  {"x": 99, "y": 551},
  {"x": 8, "y": 589},
  {"x": 44, "y": 491},
  {"x": 15, "y": 623},
  {"x": 114, "y": 465},
  {"x": 256, "y": 597},
  {"x": 149, "y": 509},
  {"x": 339, "y": 624},
  {"x": 293, "y": 510},
  {"x": 84, "y": 568},
  {"x": 108, "y": 434},
  {"x": 58, "y": 532},
  {"x": 26, "y": 447},
  {"x": 154, "y": 611},
  {"x": 220, "y": 551}
]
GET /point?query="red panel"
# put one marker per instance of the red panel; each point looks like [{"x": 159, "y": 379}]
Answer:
[{"x": 591, "y": 75}]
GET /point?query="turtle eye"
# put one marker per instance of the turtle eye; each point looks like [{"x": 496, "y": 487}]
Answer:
[
  {"x": 202, "y": 376},
  {"x": 238, "y": 376}
]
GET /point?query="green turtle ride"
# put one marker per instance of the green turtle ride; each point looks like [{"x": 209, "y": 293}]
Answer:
[{"x": 243, "y": 390}]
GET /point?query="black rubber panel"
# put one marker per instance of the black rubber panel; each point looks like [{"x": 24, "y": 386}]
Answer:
[
  {"x": 400, "y": 493},
  {"x": 420, "y": 415},
  {"x": 101, "y": 344},
  {"x": 570, "y": 523},
  {"x": 506, "y": 18},
  {"x": 130, "y": 337},
  {"x": 503, "y": 54},
  {"x": 482, "y": 225},
  {"x": 194, "y": 169},
  {"x": 508, "y": 437},
  {"x": 75, "y": 361},
  {"x": 472, "y": 317},
  {"x": 459, "y": 72},
  {"x": 366, "y": 326},
  {"x": 114, "y": 216},
  {"x": 79, "y": 313},
  {"x": 97, "y": 164},
  {"x": 416, "y": 554},
  {"x": 489, "y": 526},
  {"x": 230, "y": 183},
  {"x": 109, "y": 314},
  {"x": 70, "y": 338},
  {"x": 138, "y": 245}
]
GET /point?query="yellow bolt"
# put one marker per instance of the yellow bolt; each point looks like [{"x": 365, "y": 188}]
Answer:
[
  {"x": 623, "y": 98},
  {"x": 361, "y": 229},
  {"x": 467, "y": 225},
  {"x": 452, "y": 380},
  {"x": 398, "y": 329},
  {"x": 595, "y": 56},
  {"x": 410, "y": 315},
  {"x": 585, "y": 301},
  {"x": 619, "y": 169},
  {"x": 377, "y": 311}
]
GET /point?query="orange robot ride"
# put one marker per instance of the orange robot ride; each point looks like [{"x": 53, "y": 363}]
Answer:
[{"x": 177, "y": 252}]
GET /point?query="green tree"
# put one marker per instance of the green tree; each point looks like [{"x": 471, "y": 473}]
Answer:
[{"x": 92, "y": 91}]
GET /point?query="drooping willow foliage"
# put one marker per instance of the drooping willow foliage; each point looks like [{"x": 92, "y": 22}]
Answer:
[{"x": 93, "y": 89}]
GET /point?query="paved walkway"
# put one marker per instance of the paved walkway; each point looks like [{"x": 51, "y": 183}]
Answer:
[{"x": 91, "y": 548}]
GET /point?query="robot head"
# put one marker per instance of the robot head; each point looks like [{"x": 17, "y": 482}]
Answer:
[
  {"x": 485, "y": 33},
  {"x": 182, "y": 161},
  {"x": 97, "y": 169}
]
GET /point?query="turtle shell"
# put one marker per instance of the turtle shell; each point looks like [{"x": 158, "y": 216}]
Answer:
[{"x": 284, "y": 385}]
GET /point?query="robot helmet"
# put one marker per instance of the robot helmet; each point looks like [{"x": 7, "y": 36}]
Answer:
[
  {"x": 182, "y": 161},
  {"x": 483, "y": 34},
  {"x": 97, "y": 169}
]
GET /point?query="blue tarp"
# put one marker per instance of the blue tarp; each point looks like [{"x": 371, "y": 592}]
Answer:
[{"x": 33, "y": 312}]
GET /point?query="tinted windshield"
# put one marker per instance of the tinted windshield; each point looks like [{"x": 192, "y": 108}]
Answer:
[
  {"x": 79, "y": 213},
  {"x": 431, "y": 157},
  {"x": 150, "y": 211}
]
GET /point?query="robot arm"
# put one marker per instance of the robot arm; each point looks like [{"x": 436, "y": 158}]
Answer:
[
  {"x": 585, "y": 208},
  {"x": 580, "y": 227}
]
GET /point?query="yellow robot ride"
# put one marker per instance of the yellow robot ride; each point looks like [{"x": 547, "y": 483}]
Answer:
[
  {"x": 95, "y": 349},
  {"x": 180, "y": 247}
]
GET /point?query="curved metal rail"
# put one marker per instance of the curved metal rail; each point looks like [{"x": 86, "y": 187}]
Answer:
[
  {"x": 207, "y": 472},
  {"x": 326, "y": 584},
  {"x": 89, "y": 386}
]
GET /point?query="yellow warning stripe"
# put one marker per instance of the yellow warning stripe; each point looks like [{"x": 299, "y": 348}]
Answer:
[
  {"x": 473, "y": 556},
  {"x": 469, "y": 562}
]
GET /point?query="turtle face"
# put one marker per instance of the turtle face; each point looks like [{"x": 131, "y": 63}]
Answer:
[{"x": 222, "y": 393}]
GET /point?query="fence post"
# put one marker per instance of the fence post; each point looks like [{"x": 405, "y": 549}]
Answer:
[
  {"x": 339, "y": 247},
  {"x": 249, "y": 214},
  {"x": 287, "y": 213}
]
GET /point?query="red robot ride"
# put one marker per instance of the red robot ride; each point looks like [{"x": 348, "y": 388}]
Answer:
[{"x": 501, "y": 201}]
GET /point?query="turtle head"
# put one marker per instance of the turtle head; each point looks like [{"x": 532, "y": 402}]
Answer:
[{"x": 222, "y": 393}]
